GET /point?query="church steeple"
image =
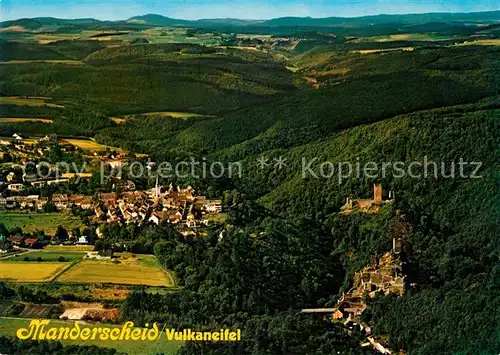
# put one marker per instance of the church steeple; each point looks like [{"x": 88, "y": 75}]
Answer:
[{"x": 157, "y": 188}]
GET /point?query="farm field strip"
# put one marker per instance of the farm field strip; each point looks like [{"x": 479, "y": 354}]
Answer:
[
  {"x": 51, "y": 61},
  {"x": 30, "y": 271},
  {"x": 117, "y": 120},
  {"x": 130, "y": 273},
  {"x": 26, "y": 101},
  {"x": 173, "y": 114},
  {"x": 408, "y": 37},
  {"x": 87, "y": 144},
  {"x": 21, "y": 119},
  {"x": 47, "y": 256},
  {"x": 68, "y": 248},
  {"x": 383, "y": 50},
  {"x": 481, "y": 42},
  {"x": 32, "y": 140}
]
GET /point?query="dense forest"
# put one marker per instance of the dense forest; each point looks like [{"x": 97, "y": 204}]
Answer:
[{"x": 254, "y": 276}]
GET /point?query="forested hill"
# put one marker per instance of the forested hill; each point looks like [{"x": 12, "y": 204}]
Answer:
[
  {"x": 372, "y": 89},
  {"x": 435, "y": 104},
  {"x": 304, "y": 22},
  {"x": 406, "y": 19}
]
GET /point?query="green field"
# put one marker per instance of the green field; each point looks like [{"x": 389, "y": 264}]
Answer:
[
  {"x": 9, "y": 326},
  {"x": 47, "y": 222},
  {"x": 152, "y": 35},
  {"x": 129, "y": 272},
  {"x": 124, "y": 270}
]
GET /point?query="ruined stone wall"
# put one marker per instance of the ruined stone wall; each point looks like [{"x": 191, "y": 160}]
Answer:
[{"x": 381, "y": 276}]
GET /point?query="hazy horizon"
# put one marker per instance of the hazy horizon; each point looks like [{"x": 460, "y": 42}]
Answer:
[{"x": 239, "y": 9}]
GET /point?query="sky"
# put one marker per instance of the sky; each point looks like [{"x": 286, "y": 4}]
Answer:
[{"x": 243, "y": 9}]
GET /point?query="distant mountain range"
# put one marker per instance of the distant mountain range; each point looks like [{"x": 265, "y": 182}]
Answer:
[{"x": 490, "y": 17}]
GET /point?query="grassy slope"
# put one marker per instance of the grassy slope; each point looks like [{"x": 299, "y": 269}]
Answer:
[{"x": 134, "y": 273}]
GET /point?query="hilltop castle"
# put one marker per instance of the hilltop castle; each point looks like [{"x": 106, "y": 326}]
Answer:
[{"x": 380, "y": 197}]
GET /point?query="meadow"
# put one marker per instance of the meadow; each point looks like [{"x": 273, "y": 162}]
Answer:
[
  {"x": 181, "y": 115},
  {"x": 90, "y": 145},
  {"x": 482, "y": 42},
  {"x": 25, "y": 271},
  {"x": 26, "y": 101},
  {"x": 9, "y": 326},
  {"x": 47, "y": 222},
  {"x": 408, "y": 37},
  {"x": 22, "y": 119},
  {"x": 130, "y": 272}
]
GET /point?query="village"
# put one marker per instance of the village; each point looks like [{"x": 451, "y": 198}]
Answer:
[
  {"x": 173, "y": 205},
  {"x": 35, "y": 195},
  {"x": 30, "y": 163},
  {"x": 178, "y": 206}
]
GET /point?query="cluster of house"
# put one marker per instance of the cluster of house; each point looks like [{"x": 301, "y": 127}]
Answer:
[
  {"x": 23, "y": 202},
  {"x": 24, "y": 152},
  {"x": 6, "y": 243},
  {"x": 36, "y": 202},
  {"x": 174, "y": 205},
  {"x": 99, "y": 255},
  {"x": 18, "y": 241},
  {"x": 64, "y": 201}
]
